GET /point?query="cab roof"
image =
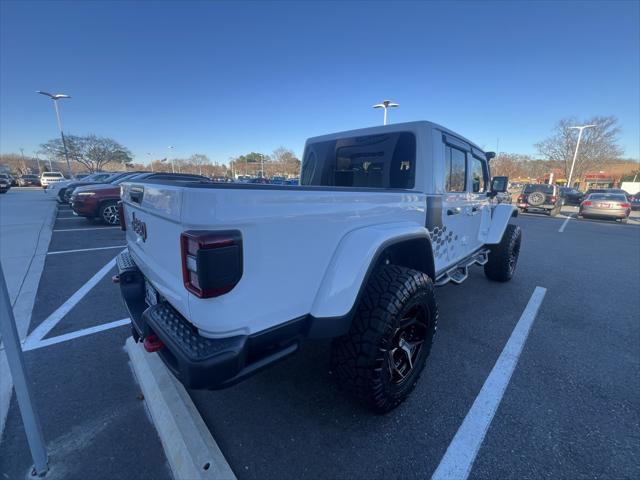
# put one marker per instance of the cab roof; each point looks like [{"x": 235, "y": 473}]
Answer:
[{"x": 394, "y": 127}]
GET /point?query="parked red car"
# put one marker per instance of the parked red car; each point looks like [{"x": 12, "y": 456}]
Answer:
[{"x": 101, "y": 200}]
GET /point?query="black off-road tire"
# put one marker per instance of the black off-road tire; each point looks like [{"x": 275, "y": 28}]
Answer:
[
  {"x": 362, "y": 358},
  {"x": 503, "y": 257}
]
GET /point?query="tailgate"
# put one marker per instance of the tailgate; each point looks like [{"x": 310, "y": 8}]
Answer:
[{"x": 152, "y": 217}]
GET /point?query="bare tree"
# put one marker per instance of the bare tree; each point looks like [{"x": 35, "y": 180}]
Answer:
[
  {"x": 198, "y": 160},
  {"x": 91, "y": 151},
  {"x": 599, "y": 145}
]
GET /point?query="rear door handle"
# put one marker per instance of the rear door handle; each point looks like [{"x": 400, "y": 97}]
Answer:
[{"x": 454, "y": 211}]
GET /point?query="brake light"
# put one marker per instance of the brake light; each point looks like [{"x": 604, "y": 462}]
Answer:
[
  {"x": 211, "y": 261},
  {"x": 587, "y": 203},
  {"x": 553, "y": 199},
  {"x": 625, "y": 205},
  {"x": 121, "y": 217},
  {"x": 521, "y": 198}
]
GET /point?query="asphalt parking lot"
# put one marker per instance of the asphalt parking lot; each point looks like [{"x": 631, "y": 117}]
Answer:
[{"x": 571, "y": 408}]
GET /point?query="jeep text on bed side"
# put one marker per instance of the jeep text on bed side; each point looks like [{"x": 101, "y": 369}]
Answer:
[{"x": 224, "y": 279}]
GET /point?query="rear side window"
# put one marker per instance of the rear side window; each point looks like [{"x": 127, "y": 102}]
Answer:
[
  {"x": 370, "y": 161},
  {"x": 456, "y": 170}
]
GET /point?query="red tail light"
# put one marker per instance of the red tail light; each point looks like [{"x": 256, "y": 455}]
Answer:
[
  {"x": 587, "y": 203},
  {"x": 552, "y": 199},
  {"x": 152, "y": 343},
  {"x": 625, "y": 205},
  {"x": 521, "y": 198},
  {"x": 211, "y": 261},
  {"x": 123, "y": 223}
]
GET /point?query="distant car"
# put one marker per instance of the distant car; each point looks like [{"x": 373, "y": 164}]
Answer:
[
  {"x": 259, "y": 180},
  {"x": 612, "y": 206},
  {"x": 29, "y": 180},
  {"x": 5, "y": 183},
  {"x": 101, "y": 200},
  {"x": 571, "y": 196},
  {"x": 103, "y": 177},
  {"x": 49, "y": 178},
  {"x": 635, "y": 201},
  {"x": 504, "y": 197},
  {"x": 293, "y": 181},
  {"x": 619, "y": 191},
  {"x": 61, "y": 190},
  {"x": 540, "y": 197}
]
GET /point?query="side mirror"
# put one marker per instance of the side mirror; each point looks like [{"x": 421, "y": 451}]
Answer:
[
  {"x": 490, "y": 156},
  {"x": 499, "y": 184}
]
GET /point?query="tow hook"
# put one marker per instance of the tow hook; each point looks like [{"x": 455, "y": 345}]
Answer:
[
  {"x": 152, "y": 343},
  {"x": 115, "y": 279}
]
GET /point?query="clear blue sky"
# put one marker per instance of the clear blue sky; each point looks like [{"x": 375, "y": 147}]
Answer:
[{"x": 228, "y": 78}]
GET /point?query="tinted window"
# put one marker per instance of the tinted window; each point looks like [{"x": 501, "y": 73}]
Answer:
[
  {"x": 371, "y": 161},
  {"x": 604, "y": 196},
  {"x": 455, "y": 170},
  {"x": 539, "y": 188},
  {"x": 478, "y": 175}
]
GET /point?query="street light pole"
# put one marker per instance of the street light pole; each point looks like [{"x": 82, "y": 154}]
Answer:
[
  {"x": 386, "y": 104},
  {"x": 575, "y": 154},
  {"x": 55, "y": 98},
  {"x": 173, "y": 166},
  {"x": 24, "y": 164}
]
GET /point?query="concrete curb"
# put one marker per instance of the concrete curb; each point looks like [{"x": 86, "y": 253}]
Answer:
[
  {"x": 188, "y": 445},
  {"x": 22, "y": 308}
]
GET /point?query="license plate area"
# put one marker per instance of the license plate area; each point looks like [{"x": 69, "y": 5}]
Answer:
[
  {"x": 604, "y": 205},
  {"x": 150, "y": 294}
]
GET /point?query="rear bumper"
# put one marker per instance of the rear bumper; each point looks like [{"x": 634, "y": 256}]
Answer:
[
  {"x": 200, "y": 362},
  {"x": 539, "y": 207},
  {"x": 604, "y": 213}
]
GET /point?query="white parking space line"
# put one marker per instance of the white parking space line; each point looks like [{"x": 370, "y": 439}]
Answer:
[
  {"x": 83, "y": 229},
  {"x": 459, "y": 457},
  {"x": 85, "y": 250},
  {"x": 564, "y": 224},
  {"x": 52, "y": 320},
  {"x": 78, "y": 333}
]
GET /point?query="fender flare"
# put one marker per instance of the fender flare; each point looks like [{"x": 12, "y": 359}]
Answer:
[
  {"x": 353, "y": 261},
  {"x": 500, "y": 217}
]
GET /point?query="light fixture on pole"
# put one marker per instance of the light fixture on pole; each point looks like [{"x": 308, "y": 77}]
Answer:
[
  {"x": 575, "y": 154},
  {"x": 386, "y": 104},
  {"x": 173, "y": 167},
  {"x": 55, "y": 97}
]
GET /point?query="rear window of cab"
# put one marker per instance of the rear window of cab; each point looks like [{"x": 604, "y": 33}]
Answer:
[{"x": 370, "y": 161}]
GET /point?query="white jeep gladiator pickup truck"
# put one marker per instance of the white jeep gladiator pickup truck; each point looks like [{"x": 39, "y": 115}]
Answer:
[{"x": 224, "y": 279}]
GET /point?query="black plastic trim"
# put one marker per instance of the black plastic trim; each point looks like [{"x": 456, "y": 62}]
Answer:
[{"x": 260, "y": 186}]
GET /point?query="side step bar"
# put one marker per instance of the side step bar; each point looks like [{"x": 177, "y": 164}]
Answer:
[{"x": 460, "y": 272}]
